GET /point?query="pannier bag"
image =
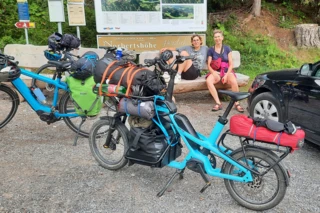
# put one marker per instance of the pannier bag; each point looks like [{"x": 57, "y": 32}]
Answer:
[
  {"x": 84, "y": 67},
  {"x": 244, "y": 126},
  {"x": 86, "y": 102},
  {"x": 147, "y": 146},
  {"x": 69, "y": 41},
  {"x": 123, "y": 74},
  {"x": 136, "y": 107}
]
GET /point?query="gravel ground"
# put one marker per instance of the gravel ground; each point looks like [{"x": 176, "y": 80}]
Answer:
[{"x": 40, "y": 171}]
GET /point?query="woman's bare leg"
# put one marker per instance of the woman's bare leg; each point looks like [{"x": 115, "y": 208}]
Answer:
[{"x": 211, "y": 80}]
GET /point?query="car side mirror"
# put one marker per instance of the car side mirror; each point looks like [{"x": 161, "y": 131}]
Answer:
[{"x": 306, "y": 69}]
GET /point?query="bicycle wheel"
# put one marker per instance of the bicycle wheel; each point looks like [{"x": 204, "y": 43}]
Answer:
[
  {"x": 265, "y": 192},
  {"x": 111, "y": 157},
  {"x": 66, "y": 105},
  {"x": 9, "y": 102}
]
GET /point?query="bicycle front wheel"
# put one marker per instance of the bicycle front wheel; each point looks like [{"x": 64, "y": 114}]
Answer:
[
  {"x": 67, "y": 106},
  {"x": 9, "y": 102},
  {"x": 111, "y": 155},
  {"x": 264, "y": 192}
]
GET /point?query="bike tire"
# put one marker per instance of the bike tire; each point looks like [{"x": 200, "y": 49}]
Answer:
[
  {"x": 105, "y": 155},
  {"x": 9, "y": 102},
  {"x": 66, "y": 105},
  {"x": 256, "y": 195}
]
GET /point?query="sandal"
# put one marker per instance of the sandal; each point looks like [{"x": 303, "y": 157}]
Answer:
[
  {"x": 217, "y": 107},
  {"x": 239, "y": 108}
]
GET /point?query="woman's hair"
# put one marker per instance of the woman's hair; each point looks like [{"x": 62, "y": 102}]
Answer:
[
  {"x": 217, "y": 31},
  {"x": 196, "y": 35}
]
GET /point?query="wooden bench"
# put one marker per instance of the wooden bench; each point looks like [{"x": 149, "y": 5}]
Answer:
[{"x": 199, "y": 83}]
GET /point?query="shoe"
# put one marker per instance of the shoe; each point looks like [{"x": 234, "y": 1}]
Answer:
[
  {"x": 177, "y": 79},
  {"x": 238, "y": 108},
  {"x": 166, "y": 77},
  {"x": 217, "y": 107}
]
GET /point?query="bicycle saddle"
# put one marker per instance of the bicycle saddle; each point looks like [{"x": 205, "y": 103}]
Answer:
[
  {"x": 60, "y": 64},
  {"x": 236, "y": 96}
]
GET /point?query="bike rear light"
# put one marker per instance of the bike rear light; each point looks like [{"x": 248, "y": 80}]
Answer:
[{"x": 300, "y": 143}]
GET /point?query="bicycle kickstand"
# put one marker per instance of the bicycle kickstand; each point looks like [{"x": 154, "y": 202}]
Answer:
[
  {"x": 177, "y": 172},
  {"x": 78, "y": 130}
]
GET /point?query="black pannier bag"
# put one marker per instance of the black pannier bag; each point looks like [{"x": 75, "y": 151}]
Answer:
[
  {"x": 84, "y": 67},
  {"x": 152, "y": 84},
  {"x": 69, "y": 41},
  {"x": 54, "y": 42},
  {"x": 148, "y": 146}
]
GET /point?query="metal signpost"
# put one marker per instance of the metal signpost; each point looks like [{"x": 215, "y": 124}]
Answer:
[
  {"x": 56, "y": 12},
  {"x": 24, "y": 17}
]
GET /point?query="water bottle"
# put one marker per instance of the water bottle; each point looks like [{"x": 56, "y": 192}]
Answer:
[
  {"x": 104, "y": 88},
  {"x": 112, "y": 88},
  {"x": 38, "y": 93},
  {"x": 109, "y": 88},
  {"x": 119, "y": 53}
]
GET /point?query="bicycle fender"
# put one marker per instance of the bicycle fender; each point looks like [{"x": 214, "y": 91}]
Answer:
[
  {"x": 14, "y": 92},
  {"x": 267, "y": 152}
]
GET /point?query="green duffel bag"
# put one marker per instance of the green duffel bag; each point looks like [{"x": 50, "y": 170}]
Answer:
[{"x": 85, "y": 101}]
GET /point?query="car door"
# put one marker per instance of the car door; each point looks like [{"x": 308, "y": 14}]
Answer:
[{"x": 304, "y": 103}]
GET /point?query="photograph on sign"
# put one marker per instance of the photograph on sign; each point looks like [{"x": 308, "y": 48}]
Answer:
[
  {"x": 140, "y": 43},
  {"x": 56, "y": 11},
  {"x": 113, "y": 16},
  {"x": 76, "y": 15}
]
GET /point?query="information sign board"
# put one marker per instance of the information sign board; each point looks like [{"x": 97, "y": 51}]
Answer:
[
  {"x": 56, "y": 11},
  {"x": 76, "y": 15},
  {"x": 23, "y": 11}
]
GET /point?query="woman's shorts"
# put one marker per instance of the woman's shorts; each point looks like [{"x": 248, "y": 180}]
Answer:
[{"x": 191, "y": 74}]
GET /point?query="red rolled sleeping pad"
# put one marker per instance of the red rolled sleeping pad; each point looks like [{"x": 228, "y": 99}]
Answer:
[{"x": 243, "y": 125}]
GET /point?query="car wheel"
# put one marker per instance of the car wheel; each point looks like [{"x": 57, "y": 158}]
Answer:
[{"x": 265, "y": 105}]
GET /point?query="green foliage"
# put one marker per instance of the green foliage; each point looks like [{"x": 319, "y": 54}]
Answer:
[{"x": 258, "y": 53}]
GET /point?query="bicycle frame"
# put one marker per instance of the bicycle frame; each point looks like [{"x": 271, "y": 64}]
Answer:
[
  {"x": 24, "y": 90},
  {"x": 210, "y": 143}
]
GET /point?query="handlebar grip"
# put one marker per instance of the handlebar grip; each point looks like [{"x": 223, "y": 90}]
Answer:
[{"x": 150, "y": 62}]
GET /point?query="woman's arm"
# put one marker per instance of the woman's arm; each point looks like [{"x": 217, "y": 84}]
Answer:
[
  {"x": 208, "y": 64},
  {"x": 230, "y": 62}
]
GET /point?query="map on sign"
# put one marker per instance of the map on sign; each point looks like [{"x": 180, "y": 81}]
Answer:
[{"x": 114, "y": 16}]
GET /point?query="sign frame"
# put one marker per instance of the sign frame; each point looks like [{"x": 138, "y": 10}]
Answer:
[{"x": 23, "y": 11}]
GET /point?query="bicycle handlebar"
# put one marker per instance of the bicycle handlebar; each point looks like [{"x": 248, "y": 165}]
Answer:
[
  {"x": 7, "y": 58},
  {"x": 163, "y": 64}
]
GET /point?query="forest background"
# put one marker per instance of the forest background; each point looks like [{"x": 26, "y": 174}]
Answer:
[{"x": 266, "y": 42}]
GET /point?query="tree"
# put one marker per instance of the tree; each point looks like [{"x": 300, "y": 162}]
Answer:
[{"x": 256, "y": 8}]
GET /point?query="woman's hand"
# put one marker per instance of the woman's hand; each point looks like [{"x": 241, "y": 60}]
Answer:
[
  {"x": 225, "y": 78},
  {"x": 163, "y": 49}
]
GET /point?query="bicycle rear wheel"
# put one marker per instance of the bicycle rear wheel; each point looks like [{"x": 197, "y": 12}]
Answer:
[
  {"x": 66, "y": 105},
  {"x": 112, "y": 156},
  {"x": 264, "y": 192},
  {"x": 9, "y": 102}
]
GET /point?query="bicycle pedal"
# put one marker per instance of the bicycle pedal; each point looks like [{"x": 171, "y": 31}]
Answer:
[{"x": 205, "y": 187}]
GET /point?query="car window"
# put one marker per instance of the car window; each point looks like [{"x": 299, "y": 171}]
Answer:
[{"x": 317, "y": 73}]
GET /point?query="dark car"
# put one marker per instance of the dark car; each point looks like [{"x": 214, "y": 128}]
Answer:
[{"x": 291, "y": 94}]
